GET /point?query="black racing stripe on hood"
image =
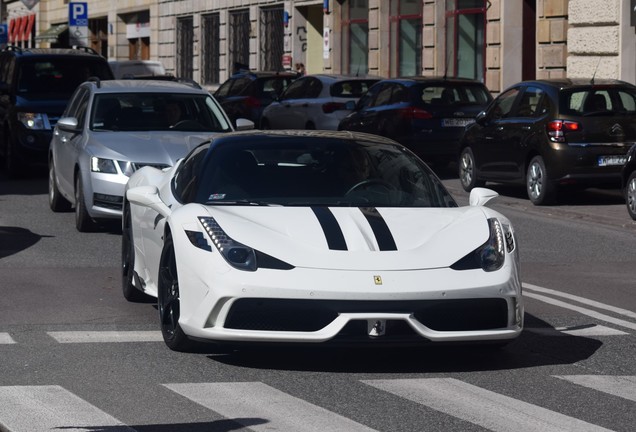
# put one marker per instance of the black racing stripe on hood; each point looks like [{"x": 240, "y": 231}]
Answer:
[
  {"x": 380, "y": 228},
  {"x": 333, "y": 233}
]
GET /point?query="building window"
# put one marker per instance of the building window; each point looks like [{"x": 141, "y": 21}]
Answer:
[
  {"x": 466, "y": 38},
  {"x": 272, "y": 39},
  {"x": 355, "y": 37},
  {"x": 185, "y": 47},
  {"x": 406, "y": 37},
  {"x": 239, "y": 40},
  {"x": 211, "y": 48}
]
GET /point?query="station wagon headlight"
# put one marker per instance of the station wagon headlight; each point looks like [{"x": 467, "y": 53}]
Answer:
[
  {"x": 491, "y": 255},
  {"x": 33, "y": 121},
  {"x": 103, "y": 165}
]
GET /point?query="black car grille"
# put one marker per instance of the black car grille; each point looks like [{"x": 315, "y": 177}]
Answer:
[
  {"x": 313, "y": 315},
  {"x": 113, "y": 202}
]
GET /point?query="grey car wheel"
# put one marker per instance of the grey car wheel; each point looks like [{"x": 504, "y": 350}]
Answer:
[
  {"x": 83, "y": 221},
  {"x": 468, "y": 171},
  {"x": 57, "y": 202},
  {"x": 540, "y": 189},
  {"x": 630, "y": 195}
]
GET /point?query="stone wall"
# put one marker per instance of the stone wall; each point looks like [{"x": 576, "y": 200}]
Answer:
[{"x": 552, "y": 38}]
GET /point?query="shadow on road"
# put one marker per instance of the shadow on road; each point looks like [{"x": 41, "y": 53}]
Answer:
[
  {"x": 16, "y": 239},
  {"x": 528, "y": 351}
]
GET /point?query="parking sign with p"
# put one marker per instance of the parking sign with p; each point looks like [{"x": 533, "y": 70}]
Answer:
[{"x": 78, "y": 23}]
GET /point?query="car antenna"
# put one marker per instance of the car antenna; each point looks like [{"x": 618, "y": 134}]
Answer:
[{"x": 596, "y": 70}]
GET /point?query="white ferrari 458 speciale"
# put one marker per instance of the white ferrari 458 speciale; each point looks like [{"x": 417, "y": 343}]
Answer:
[{"x": 315, "y": 236}]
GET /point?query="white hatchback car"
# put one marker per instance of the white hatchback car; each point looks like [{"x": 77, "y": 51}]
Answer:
[
  {"x": 111, "y": 128},
  {"x": 315, "y": 102}
]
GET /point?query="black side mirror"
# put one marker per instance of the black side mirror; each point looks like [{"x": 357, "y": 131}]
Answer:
[{"x": 482, "y": 118}]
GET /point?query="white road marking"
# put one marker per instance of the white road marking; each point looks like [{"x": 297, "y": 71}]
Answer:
[
  {"x": 621, "y": 386},
  {"x": 259, "y": 407},
  {"x": 482, "y": 407},
  {"x": 106, "y": 336},
  {"x": 47, "y": 408},
  {"x": 581, "y": 300},
  {"x": 5, "y": 338},
  {"x": 588, "y": 331},
  {"x": 582, "y": 310}
]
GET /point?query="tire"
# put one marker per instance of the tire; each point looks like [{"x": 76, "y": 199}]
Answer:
[
  {"x": 83, "y": 221},
  {"x": 57, "y": 202},
  {"x": 168, "y": 300},
  {"x": 468, "y": 171},
  {"x": 131, "y": 293},
  {"x": 541, "y": 190},
  {"x": 310, "y": 126},
  {"x": 630, "y": 195},
  {"x": 265, "y": 124}
]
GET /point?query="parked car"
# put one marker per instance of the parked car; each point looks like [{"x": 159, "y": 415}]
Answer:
[
  {"x": 35, "y": 86},
  {"x": 550, "y": 134},
  {"x": 428, "y": 115},
  {"x": 246, "y": 93},
  {"x": 628, "y": 177},
  {"x": 316, "y": 236},
  {"x": 112, "y": 128},
  {"x": 136, "y": 68},
  {"x": 315, "y": 102}
]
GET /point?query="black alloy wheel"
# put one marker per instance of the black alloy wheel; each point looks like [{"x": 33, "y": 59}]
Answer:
[
  {"x": 541, "y": 190},
  {"x": 168, "y": 300},
  {"x": 468, "y": 171}
]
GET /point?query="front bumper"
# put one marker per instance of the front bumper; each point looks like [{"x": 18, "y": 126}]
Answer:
[{"x": 313, "y": 305}]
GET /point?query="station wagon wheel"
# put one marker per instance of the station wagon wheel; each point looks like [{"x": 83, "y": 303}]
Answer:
[
  {"x": 468, "y": 171},
  {"x": 630, "y": 195},
  {"x": 57, "y": 202},
  {"x": 131, "y": 293},
  {"x": 540, "y": 189},
  {"x": 83, "y": 221},
  {"x": 168, "y": 299}
]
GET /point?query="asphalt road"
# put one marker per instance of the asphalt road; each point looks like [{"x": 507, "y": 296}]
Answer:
[{"x": 74, "y": 355}]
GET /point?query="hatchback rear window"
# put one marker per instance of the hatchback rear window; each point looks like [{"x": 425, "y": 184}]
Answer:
[
  {"x": 452, "y": 94},
  {"x": 598, "y": 101},
  {"x": 350, "y": 89}
]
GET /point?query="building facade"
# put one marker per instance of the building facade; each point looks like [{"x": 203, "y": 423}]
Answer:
[{"x": 499, "y": 42}]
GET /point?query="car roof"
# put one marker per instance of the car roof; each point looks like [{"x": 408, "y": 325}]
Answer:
[
  {"x": 255, "y": 136},
  {"x": 433, "y": 80},
  {"x": 263, "y": 74},
  {"x": 48, "y": 52},
  {"x": 343, "y": 77},
  {"x": 144, "y": 85},
  {"x": 563, "y": 83}
]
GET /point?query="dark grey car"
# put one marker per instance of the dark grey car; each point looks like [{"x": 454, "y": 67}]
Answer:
[{"x": 550, "y": 134}]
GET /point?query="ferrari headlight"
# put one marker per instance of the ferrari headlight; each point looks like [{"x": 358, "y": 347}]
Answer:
[
  {"x": 103, "y": 165},
  {"x": 33, "y": 121},
  {"x": 491, "y": 255},
  {"x": 236, "y": 254}
]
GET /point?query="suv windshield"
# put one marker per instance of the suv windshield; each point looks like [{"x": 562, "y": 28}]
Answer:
[
  {"x": 598, "y": 101},
  {"x": 58, "y": 76},
  {"x": 157, "y": 111}
]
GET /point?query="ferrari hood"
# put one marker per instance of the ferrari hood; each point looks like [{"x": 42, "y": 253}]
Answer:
[
  {"x": 351, "y": 238},
  {"x": 144, "y": 147}
]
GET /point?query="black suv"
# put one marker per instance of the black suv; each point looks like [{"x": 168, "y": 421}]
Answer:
[
  {"x": 550, "y": 134},
  {"x": 35, "y": 85},
  {"x": 246, "y": 93}
]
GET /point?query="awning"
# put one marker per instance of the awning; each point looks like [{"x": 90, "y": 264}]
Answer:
[{"x": 52, "y": 33}]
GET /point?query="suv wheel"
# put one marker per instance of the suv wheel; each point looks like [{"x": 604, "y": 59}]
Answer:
[
  {"x": 540, "y": 190},
  {"x": 630, "y": 195},
  {"x": 468, "y": 171}
]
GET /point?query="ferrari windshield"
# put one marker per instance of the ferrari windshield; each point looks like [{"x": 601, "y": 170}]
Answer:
[{"x": 306, "y": 172}]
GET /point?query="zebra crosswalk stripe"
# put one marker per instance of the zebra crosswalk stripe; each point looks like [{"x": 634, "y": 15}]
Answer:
[
  {"x": 106, "y": 336},
  {"x": 621, "y": 386},
  {"x": 259, "y": 407},
  {"x": 481, "y": 407},
  {"x": 5, "y": 338},
  {"x": 47, "y": 408}
]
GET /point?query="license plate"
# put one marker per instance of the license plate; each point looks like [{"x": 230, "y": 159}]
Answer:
[
  {"x": 457, "y": 122},
  {"x": 612, "y": 160}
]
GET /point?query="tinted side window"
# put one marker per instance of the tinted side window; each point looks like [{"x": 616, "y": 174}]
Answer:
[
  {"x": 530, "y": 104},
  {"x": 503, "y": 104},
  {"x": 224, "y": 90},
  {"x": 295, "y": 90},
  {"x": 240, "y": 85},
  {"x": 367, "y": 99},
  {"x": 186, "y": 180},
  {"x": 313, "y": 89},
  {"x": 384, "y": 95},
  {"x": 73, "y": 106}
]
